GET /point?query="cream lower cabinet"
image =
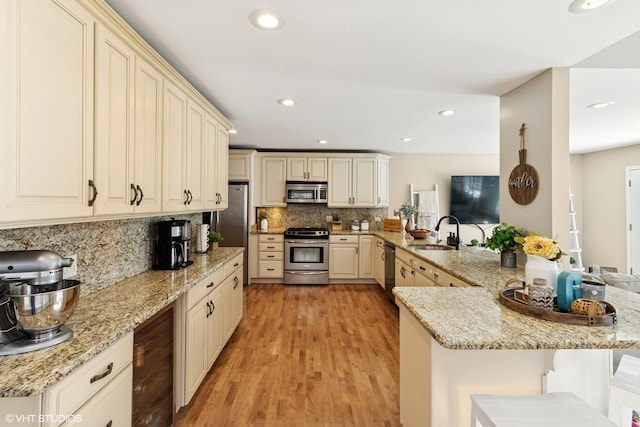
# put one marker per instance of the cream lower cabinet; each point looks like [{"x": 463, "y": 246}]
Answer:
[
  {"x": 442, "y": 278},
  {"x": 47, "y": 109},
  {"x": 404, "y": 274},
  {"x": 98, "y": 393},
  {"x": 343, "y": 256},
  {"x": 270, "y": 256},
  {"x": 413, "y": 271},
  {"x": 214, "y": 307},
  {"x": 366, "y": 253},
  {"x": 379, "y": 261}
]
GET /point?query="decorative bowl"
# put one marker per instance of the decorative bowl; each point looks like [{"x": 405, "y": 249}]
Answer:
[{"x": 419, "y": 233}]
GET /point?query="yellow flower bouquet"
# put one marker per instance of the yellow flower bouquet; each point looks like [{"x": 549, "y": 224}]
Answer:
[{"x": 540, "y": 246}]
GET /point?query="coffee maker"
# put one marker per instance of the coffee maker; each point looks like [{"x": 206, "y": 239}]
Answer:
[{"x": 172, "y": 245}]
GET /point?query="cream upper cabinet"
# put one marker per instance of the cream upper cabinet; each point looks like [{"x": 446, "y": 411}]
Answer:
[
  {"x": 306, "y": 169},
  {"x": 46, "y": 98},
  {"x": 352, "y": 182},
  {"x": 127, "y": 128},
  {"x": 183, "y": 164},
  {"x": 215, "y": 168},
  {"x": 382, "y": 199},
  {"x": 241, "y": 165},
  {"x": 273, "y": 181}
]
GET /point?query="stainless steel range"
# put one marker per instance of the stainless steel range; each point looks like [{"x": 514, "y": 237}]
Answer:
[{"x": 306, "y": 251}]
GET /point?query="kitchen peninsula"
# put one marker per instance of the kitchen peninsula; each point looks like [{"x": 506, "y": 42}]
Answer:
[{"x": 456, "y": 341}]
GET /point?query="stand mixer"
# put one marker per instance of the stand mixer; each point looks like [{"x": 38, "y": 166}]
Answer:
[{"x": 35, "y": 300}]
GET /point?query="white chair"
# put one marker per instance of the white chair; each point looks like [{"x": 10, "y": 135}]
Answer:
[{"x": 563, "y": 409}]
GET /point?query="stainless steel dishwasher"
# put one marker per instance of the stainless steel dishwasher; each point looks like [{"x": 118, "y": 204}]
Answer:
[{"x": 389, "y": 270}]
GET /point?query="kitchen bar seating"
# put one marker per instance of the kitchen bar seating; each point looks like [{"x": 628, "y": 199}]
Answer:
[{"x": 563, "y": 409}]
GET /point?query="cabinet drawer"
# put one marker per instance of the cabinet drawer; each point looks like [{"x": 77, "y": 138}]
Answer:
[
  {"x": 233, "y": 265},
  {"x": 271, "y": 238},
  {"x": 447, "y": 280},
  {"x": 203, "y": 287},
  {"x": 343, "y": 239},
  {"x": 276, "y": 247},
  {"x": 270, "y": 269},
  {"x": 423, "y": 267},
  {"x": 271, "y": 256},
  {"x": 72, "y": 392},
  {"x": 111, "y": 405},
  {"x": 403, "y": 255}
]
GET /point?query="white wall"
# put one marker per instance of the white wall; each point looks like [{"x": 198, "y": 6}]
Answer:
[
  {"x": 604, "y": 233},
  {"x": 425, "y": 170}
]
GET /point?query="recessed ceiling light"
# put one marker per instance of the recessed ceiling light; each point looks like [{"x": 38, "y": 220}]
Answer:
[
  {"x": 599, "y": 105},
  {"x": 287, "y": 102},
  {"x": 322, "y": 141},
  {"x": 405, "y": 139},
  {"x": 446, "y": 112},
  {"x": 265, "y": 19},
  {"x": 233, "y": 131},
  {"x": 580, "y": 6}
]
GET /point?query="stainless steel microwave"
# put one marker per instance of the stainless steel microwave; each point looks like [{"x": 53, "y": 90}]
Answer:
[{"x": 306, "y": 192}]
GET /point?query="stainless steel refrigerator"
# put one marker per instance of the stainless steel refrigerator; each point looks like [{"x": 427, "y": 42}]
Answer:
[{"x": 233, "y": 222}]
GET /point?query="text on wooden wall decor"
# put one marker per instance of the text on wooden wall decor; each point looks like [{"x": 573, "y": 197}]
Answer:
[{"x": 523, "y": 180}]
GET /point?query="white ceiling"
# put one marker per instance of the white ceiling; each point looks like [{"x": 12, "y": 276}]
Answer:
[{"x": 366, "y": 73}]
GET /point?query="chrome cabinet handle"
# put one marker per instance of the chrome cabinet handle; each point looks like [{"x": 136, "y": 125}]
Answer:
[
  {"x": 102, "y": 375},
  {"x": 95, "y": 192}
]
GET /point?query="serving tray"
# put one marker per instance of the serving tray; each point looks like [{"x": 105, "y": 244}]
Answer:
[{"x": 508, "y": 298}]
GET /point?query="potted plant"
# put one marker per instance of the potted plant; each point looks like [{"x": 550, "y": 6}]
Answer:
[
  {"x": 407, "y": 210},
  {"x": 214, "y": 238},
  {"x": 504, "y": 240}
]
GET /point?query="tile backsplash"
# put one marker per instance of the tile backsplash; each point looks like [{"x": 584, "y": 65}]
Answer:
[
  {"x": 108, "y": 251},
  {"x": 315, "y": 216}
]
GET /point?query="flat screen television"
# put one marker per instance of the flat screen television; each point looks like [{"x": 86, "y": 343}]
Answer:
[{"x": 475, "y": 199}]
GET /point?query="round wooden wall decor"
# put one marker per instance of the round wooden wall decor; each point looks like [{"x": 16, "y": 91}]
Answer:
[{"x": 523, "y": 181}]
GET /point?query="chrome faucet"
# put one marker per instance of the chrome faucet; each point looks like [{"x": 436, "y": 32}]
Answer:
[{"x": 456, "y": 239}]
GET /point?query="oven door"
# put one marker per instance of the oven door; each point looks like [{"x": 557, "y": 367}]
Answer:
[{"x": 306, "y": 262}]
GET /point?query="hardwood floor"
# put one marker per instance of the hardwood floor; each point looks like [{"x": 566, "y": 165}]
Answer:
[{"x": 305, "y": 356}]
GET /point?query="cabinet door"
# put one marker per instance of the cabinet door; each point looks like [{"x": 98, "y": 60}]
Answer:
[
  {"x": 364, "y": 183},
  {"x": 239, "y": 167},
  {"x": 196, "y": 350},
  {"x": 174, "y": 129},
  {"x": 296, "y": 168},
  {"x": 214, "y": 326},
  {"x": 422, "y": 280},
  {"x": 404, "y": 274},
  {"x": 365, "y": 255},
  {"x": 147, "y": 158},
  {"x": 222, "y": 167},
  {"x": 210, "y": 169},
  {"x": 46, "y": 101},
  {"x": 273, "y": 181},
  {"x": 378, "y": 262},
  {"x": 110, "y": 406},
  {"x": 316, "y": 169},
  {"x": 195, "y": 156},
  {"x": 383, "y": 183},
  {"x": 237, "y": 297},
  {"x": 226, "y": 289},
  {"x": 114, "y": 119},
  {"x": 343, "y": 261},
  {"x": 339, "y": 183}
]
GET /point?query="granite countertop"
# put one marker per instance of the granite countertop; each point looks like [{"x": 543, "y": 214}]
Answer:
[
  {"x": 100, "y": 319},
  {"x": 473, "y": 317}
]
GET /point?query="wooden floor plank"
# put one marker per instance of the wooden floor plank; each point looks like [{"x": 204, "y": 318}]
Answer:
[{"x": 305, "y": 356}]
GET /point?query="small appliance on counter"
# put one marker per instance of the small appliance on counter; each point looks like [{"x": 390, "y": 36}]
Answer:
[
  {"x": 35, "y": 300},
  {"x": 172, "y": 245}
]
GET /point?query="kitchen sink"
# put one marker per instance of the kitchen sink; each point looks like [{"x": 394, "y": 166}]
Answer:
[{"x": 433, "y": 247}]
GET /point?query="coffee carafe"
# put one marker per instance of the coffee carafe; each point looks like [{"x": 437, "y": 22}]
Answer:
[{"x": 172, "y": 245}]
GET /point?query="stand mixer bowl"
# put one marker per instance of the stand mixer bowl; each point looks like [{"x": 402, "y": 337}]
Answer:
[{"x": 41, "y": 311}]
